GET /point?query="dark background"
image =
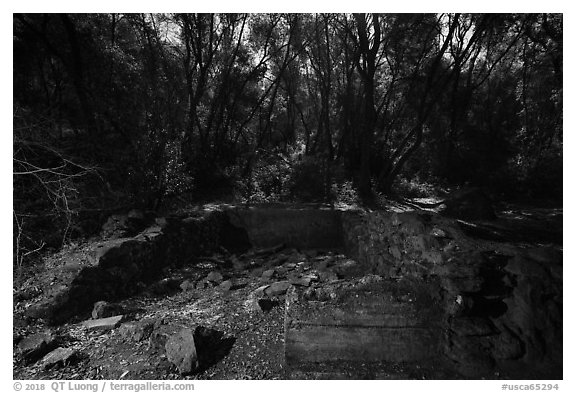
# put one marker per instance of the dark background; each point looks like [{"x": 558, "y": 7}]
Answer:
[{"x": 160, "y": 111}]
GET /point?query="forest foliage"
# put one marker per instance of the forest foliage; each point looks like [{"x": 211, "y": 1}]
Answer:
[{"x": 117, "y": 111}]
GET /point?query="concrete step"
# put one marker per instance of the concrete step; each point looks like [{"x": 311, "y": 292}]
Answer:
[{"x": 361, "y": 324}]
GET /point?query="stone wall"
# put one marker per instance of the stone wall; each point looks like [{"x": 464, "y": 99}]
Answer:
[
  {"x": 384, "y": 241},
  {"x": 120, "y": 266},
  {"x": 502, "y": 304}
]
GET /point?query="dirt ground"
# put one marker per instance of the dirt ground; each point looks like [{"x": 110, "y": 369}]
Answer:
[{"x": 250, "y": 341}]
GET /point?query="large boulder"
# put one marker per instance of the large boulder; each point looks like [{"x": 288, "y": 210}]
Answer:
[
  {"x": 59, "y": 357},
  {"x": 181, "y": 351},
  {"x": 104, "y": 309},
  {"x": 35, "y": 346}
]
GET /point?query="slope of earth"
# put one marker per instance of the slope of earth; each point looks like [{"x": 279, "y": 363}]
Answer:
[{"x": 234, "y": 303}]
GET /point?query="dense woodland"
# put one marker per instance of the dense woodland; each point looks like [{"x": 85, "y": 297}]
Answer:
[{"x": 151, "y": 111}]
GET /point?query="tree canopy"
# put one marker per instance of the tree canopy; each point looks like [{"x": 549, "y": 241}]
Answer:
[{"x": 136, "y": 110}]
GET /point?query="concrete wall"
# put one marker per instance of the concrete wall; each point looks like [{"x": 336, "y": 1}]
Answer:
[{"x": 298, "y": 227}]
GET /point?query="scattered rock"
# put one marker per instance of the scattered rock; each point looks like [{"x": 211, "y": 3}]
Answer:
[
  {"x": 395, "y": 252},
  {"x": 437, "y": 232},
  {"x": 328, "y": 276},
  {"x": 319, "y": 294},
  {"x": 260, "y": 291},
  {"x": 59, "y": 357},
  {"x": 268, "y": 274},
  {"x": 277, "y": 288},
  {"x": 35, "y": 346},
  {"x": 203, "y": 284},
  {"x": 370, "y": 279},
  {"x": 215, "y": 277},
  {"x": 301, "y": 281},
  {"x": 187, "y": 285},
  {"x": 27, "y": 293},
  {"x": 225, "y": 285},
  {"x": 104, "y": 309},
  {"x": 181, "y": 351},
  {"x": 251, "y": 304},
  {"x": 103, "y": 323},
  {"x": 313, "y": 276},
  {"x": 137, "y": 331}
]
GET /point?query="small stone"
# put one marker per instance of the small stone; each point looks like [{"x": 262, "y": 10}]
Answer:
[
  {"x": 313, "y": 276},
  {"x": 370, "y": 279},
  {"x": 35, "y": 346},
  {"x": 278, "y": 288},
  {"x": 319, "y": 294},
  {"x": 328, "y": 276},
  {"x": 215, "y": 277},
  {"x": 260, "y": 291},
  {"x": 437, "y": 232},
  {"x": 395, "y": 251},
  {"x": 187, "y": 285},
  {"x": 268, "y": 274},
  {"x": 137, "y": 331},
  {"x": 225, "y": 286},
  {"x": 59, "y": 357},
  {"x": 203, "y": 284},
  {"x": 181, "y": 351},
  {"x": 103, "y": 323},
  {"x": 104, "y": 309}
]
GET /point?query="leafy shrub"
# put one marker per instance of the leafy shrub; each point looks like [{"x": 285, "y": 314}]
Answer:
[
  {"x": 308, "y": 180},
  {"x": 413, "y": 188},
  {"x": 344, "y": 194}
]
